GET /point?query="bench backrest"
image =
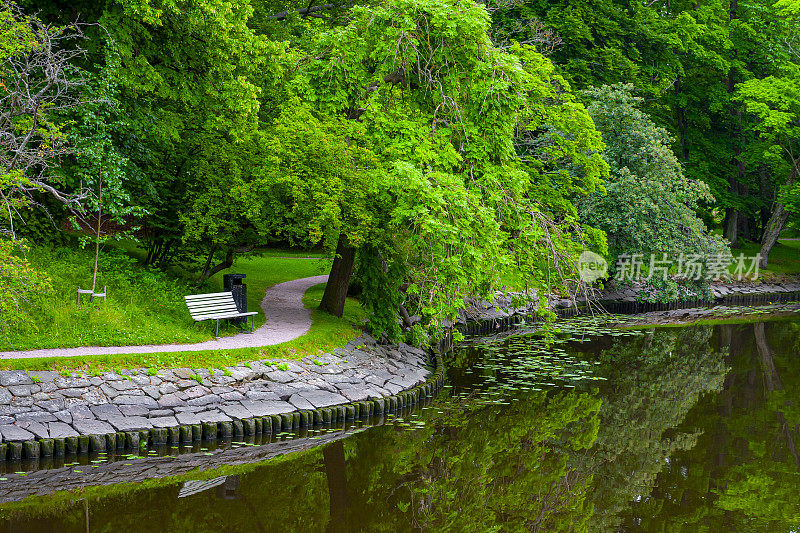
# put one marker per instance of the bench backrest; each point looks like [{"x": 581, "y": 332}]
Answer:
[{"x": 202, "y": 306}]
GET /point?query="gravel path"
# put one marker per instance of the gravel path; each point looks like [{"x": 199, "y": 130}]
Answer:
[{"x": 287, "y": 319}]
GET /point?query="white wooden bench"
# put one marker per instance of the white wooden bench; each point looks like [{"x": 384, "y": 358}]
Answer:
[{"x": 216, "y": 306}]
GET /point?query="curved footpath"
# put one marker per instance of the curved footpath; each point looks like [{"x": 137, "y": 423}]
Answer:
[
  {"x": 44, "y": 413},
  {"x": 287, "y": 319}
]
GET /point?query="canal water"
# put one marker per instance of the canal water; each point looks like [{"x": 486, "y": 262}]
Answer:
[{"x": 591, "y": 429}]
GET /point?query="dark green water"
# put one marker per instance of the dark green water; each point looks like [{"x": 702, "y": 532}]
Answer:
[{"x": 674, "y": 429}]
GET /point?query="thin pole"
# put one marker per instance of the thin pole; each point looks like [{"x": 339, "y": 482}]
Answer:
[{"x": 97, "y": 237}]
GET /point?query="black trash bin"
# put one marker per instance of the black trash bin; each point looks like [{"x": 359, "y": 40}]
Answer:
[{"x": 233, "y": 283}]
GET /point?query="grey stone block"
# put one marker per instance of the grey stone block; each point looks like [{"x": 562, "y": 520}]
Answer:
[
  {"x": 321, "y": 398},
  {"x": 164, "y": 422},
  {"x": 167, "y": 388},
  {"x": 45, "y": 376},
  {"x": 152, "y": 391},
  {"x": 134, "y": 410},
  {"x": 234, "y": 396},
  {"x": 37, "y": 428},
  {"x": 196, "y": 392},
  {"x": 80, "y": 411},
  {"x": 281, "y": 376},
  {"x": 85, "y": 426},
  {"x": 22, "y": 402},
  {"x": 263, "y": 395},
  {"x": 129, "y": 423},
  {"x": 22, "y": 390},
  {"x": 171, "y": 400},
  {"x": 36, "y": 416},
  {"x": 63, "y": 416},
  {"x": 213, "y": 417},
  {"x": 14, "y": 377},
  {"x": 394, "y": 388},
  {"x": 354, "y": 394},
  {"x": 144, "y": 401},
  {"x": 299, "y": 402},
  {"x": 235, "y": 411},
  {"x": 208, "y": 399},
  {"x": 105, "y": 411},
  {"x": 71, "y": 383},
  {"x": 265, "y": 408},
  {"x": 60, "y": 430},
  {"x": 187, "y": 418},
  {"x": 141, "y": 380},
  {"x": 156, "y": 413},
  {"x": 11, "y": 432},
  {"x": 122, "y": 385}
]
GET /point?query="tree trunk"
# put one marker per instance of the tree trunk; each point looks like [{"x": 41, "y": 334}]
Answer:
[
  {"x": 207, "y": 266},
  {"x": 339, "y": 279},
  {"x": 208, "y": 272},
  {"x": 744, "y": 225},
  {"x": 680, "y": 114},
  {"x": 97, "y": 237},
  {"x": 772, "y": 231},
  {"x": 777, "y": 220},
  {"x": 731, "y": 226},
  {"x": 731, "y": 229}
]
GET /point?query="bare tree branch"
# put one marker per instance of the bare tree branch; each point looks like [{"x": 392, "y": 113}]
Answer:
[{"x": 38, "y": 80}]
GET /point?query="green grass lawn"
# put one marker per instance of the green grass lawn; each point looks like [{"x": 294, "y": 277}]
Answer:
[
  {"x": 327, "y": 333},
  {"x": 266, "y": 270},
  {"x": 144, "y": 306}
]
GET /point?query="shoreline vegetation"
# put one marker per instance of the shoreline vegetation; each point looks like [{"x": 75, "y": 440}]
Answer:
[{"x": 158, "y": 310}]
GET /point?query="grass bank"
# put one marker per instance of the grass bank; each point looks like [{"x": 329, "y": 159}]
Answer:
[
  {"x": 783, "y": 259},
  {"x": 144, "y": 306},
  {"x": 327, "y": 333}
]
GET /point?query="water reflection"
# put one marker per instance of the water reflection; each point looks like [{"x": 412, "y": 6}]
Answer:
[
  {"x": 694, "y": 429},
  {"x": 744, "y": 473}
]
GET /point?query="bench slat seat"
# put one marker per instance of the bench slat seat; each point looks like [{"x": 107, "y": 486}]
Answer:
[
  {"x": 208, "y": 295},
  {"x": 214, "y": 316},
  {"x": 216, "y": 306}
]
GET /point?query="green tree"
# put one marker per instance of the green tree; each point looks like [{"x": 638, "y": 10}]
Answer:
[
  {"x": 775, "y": 102},
  {"x": 649, "y": 205},
  {"x": 19, "y": 283},
  {"x": 187, "y": 91},
  {"x": 481, "y": 153},
  {"x": 685, "y": 58}
]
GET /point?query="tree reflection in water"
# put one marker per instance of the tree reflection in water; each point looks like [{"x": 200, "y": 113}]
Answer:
[{"x": 695, "y": 429}]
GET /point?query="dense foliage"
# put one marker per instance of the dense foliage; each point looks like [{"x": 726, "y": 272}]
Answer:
[
  {"x": 437, "y": 148},
  {"x": 649, "y": 205}
]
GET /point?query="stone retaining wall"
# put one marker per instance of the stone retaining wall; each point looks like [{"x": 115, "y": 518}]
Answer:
[
  {"x": 46, "y": 414},
  {"x": 483, "y": 317}
]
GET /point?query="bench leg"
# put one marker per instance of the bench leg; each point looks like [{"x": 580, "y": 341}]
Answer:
[
  {"x": 253, "y": 324},
  {"x": 216, "y": 335}
]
